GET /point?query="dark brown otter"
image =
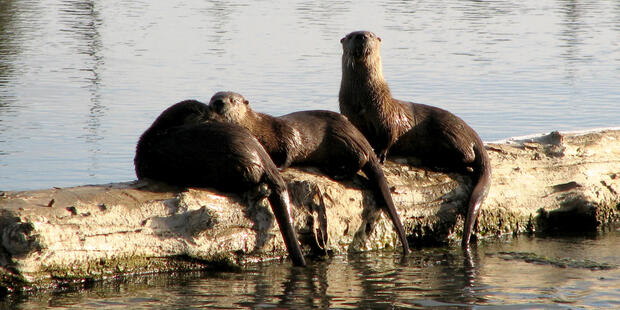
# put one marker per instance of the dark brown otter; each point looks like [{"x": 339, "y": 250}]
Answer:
[
  {"x": 322, "y": 139},
  {"x": 435, "y": 136},
  {"x": 180, "y": 149}
]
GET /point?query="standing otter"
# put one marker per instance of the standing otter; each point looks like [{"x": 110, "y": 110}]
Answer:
[
  {"x": 323, "y": 139},
  {"x": 436, "y": 136},
  {"x": 180, "y": 149}
]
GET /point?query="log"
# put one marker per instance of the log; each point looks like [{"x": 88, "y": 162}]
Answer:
[{"x": 551, "y": 183}]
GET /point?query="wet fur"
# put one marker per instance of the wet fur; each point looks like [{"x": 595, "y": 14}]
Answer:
[
  {"x": 323, "y": 139},
  {"x": 437, "y": 137},
  {"x": 180, "y": 149}
]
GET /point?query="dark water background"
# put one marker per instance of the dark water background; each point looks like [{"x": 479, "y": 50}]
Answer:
[{"x": 81, "y": 80}]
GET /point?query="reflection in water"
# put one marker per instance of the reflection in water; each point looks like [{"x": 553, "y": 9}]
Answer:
[
  {"x": 439, "y": 277},
  {"x": 81, "y": 20},
  {"x": 10, "y": 49},
  {"x": 571, "y": 36},
  {"x": 318, "y": 17},
  {"x": 221, "y": 12},
  {"x": 7, "y": 49}
]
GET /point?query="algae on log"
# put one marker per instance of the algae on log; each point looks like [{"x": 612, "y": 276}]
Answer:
[{"x": 553, "y": 182}]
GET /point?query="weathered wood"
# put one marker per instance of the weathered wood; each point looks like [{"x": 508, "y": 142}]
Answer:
[{"x": 553, "y": 182}]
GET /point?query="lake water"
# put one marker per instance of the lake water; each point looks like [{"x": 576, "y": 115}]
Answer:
[
  {"x": 566, "y": 273},
  {"x": 81, "y": 80}
]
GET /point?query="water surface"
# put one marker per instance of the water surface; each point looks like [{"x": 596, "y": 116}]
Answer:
[
  {"x": 81, "y": 80},
  {"x": 439, "y": 278}
]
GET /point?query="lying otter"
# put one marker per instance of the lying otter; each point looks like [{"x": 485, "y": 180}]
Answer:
[
  {"x": 323, "y": 139},
  {"x": 180, "y": 149},
  {"x": 436, "y": 136}
]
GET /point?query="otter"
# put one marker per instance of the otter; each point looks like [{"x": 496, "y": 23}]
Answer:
[
  {"x": 324, "y": 139},
  {"x": 437, "y": 137},
  {"x": 180, "y": 149}
]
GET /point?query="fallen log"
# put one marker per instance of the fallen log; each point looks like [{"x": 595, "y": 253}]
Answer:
[{"x": 555, "y": 182}]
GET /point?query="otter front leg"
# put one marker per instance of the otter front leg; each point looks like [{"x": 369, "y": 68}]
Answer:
[
  {"x": 381, "y": 152},
  {"x": 381, "y": 155},
  {"x": 381, "y": 147},
  {"x": 287, "y": 162}
]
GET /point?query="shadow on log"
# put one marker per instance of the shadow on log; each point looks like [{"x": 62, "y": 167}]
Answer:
[{"x": 556, "y": 183}]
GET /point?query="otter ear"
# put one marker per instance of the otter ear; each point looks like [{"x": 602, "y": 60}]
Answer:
[
  {"x": 342, "y": 40},
  {"x": 379, "y": 38},
  {"x": 246, "y": 101}
]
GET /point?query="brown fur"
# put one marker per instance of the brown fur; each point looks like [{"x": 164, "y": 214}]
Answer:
[
  {"x": 323, "y": 139},
  {"x": 437, "y": 137},
  {"x": 181, "y": 149}
]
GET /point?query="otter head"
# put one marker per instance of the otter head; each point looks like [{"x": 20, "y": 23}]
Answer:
[
  {"x": 229, "y": 107},
  {"x": 187, "y": 112},
  {"x": 360, "y": 44}
]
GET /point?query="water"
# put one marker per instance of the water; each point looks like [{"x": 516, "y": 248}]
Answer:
[
  {"x": 433, "y": 277},
  {"x": 81, "y": 80}
]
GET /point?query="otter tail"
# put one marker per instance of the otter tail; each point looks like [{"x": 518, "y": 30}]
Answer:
[
  {"x": 482, "y": 180},
  {"x": 281, "y": 206},
  {"x": 373, "y": 171}
]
